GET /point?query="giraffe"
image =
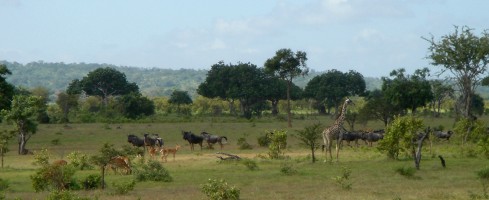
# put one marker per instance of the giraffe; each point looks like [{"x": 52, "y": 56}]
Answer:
[{"x": 333, "y": 132}]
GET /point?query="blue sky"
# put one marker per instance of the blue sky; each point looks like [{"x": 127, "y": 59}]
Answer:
[{"x": 372, "y": 37}]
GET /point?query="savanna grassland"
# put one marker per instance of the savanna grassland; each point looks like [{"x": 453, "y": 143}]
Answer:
[{"x": 373, "y": 176}]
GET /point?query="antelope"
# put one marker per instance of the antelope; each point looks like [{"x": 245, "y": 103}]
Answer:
[{"x": 166, "y": 151}]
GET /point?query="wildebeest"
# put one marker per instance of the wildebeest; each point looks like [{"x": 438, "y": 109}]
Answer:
[
  {"x": 153, "y": 140},
  {"x": 135, "y": 140},
  {"x": 351, "y": 136},
  {"x": 192, "y": 139},
  {"x": 371, "y": 137},
  {"x": 443, "y": 135},
  {"x": 212, "y": 139}
]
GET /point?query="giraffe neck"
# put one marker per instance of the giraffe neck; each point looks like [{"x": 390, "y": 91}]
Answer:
[{"x": 341, "y": 118}]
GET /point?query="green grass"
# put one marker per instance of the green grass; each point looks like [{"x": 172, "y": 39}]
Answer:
[{"x": 372, "y": 175}]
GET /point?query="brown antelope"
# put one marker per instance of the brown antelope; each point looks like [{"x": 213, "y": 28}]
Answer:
[
  {"x": 152, "y": 152},
  {"x": 120, "y": 162},
  {"x": 60, "y": 163},
  {"x": 166, "y": 151}
]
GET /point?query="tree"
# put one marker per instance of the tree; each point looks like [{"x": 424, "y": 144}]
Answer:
[
  {"x": 276, "y": 90},
  {"x": 43, "y": 94},
  {"x": 310, "y": 137},
  {"x": 6, "y": 89},
  {"x": 66, "y": 102},
  {"x": 378, "y": 107},
  {"x": 22, "y": 114},
  {"x": 331, "y": 87},
  {"x": 465, "y": 56},
  {"x": 180, "y": 98},
  {"x": 107, "y": 152},
  {"x": 408, "y": 92},
  {"x": 217, "y": 84},
  {"x": 441, "y": 92},
  {"x": 287, "y": 65},
  {"x": 104, "y": 82},
  {"x": 134, "y": 105}
]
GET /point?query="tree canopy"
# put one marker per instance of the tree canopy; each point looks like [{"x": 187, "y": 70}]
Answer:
[
  {"x": 6, "y": 89},
  {"x": 465, "y": 55},
  {"x": 287, "y": 65}
]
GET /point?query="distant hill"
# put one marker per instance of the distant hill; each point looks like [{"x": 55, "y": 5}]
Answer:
[{"x": 151, "y": 81}]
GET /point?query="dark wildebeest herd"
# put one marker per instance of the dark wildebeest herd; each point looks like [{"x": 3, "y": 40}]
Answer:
[{"x": 369, "y": 137}]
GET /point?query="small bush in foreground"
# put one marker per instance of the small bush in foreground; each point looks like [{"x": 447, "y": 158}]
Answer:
[
  {"x": 344, "y": 180},
  {"x": 406, "y": 171},
  {"x": 152, "y": 171},
  {"x": 64, "y": 195},
  {"x": 92, "y": 181},
  {"x": 250, "y": 164},
  {"x": 124, "y": 188},
  {"x": 219, "y": 189}
]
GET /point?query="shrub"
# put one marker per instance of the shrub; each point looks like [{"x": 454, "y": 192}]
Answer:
[
  {"x": 250, "y": 164},
  {"x": 4, "y": 184},
  {"x": 124, "y": 188},
  {"x": 219, "y": 189},
  {"x": 263, "y": 141},
  {"x": 406, "y": 171},
  {"x": 53, "y": 177},
  {"x": 79, "y": 160},
  {"x": 243, "y": 144},
  {"x": 288, "y": 169},
  {"x": 278, "y": 143},
  {"x": 41, "y": 158},
  {"x": 344, "y": 180},
  {"x": 64, "y": 195},
  {"x": 152, "y": 171},
  {"x": 92, "y": 181}
]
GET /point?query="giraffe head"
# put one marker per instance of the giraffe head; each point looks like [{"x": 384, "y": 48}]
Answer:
[{"x": 348, "y": 101}]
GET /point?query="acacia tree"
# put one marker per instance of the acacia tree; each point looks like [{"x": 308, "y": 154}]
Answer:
[
  {"x": 310, "y": 137},
  {"x": 378, "y": 107},
  {"x": 465, "y": 55},
  {"x": 287, "y": 65},
  {"x": 107, "y": 152},
  {"x": 5, "y": 136},
  {"x": 22, "y": 114},
  {"x": 180, "y": 98},
  {"x": 66, "y": 102}
]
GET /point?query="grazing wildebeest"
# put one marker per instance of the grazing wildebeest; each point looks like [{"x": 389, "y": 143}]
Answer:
[
  {"x": 444, "y": 135},
  {"x": 135, "y": 140},
  {"x": 212, "y": 139},
  {"x": 153, "y": 141},
  {"x": 192, "y": 139},
  {"x": 371, "y": 137},
  {"x": 351, "y": 136}
]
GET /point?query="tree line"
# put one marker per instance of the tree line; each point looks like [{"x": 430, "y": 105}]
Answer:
[{"x": 248, "y": 91}]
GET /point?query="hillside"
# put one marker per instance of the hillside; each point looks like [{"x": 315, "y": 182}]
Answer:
[{"x": 151, "y": 81}]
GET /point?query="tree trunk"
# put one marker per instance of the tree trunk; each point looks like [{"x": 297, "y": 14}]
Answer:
[
  {"x": 1, "y": 154},
  {"x": 312, "y": 153},
  {"x": 22, "y": 142},
  {"x": 417, "y": 156},
  {"x": 103, "y": 178},
  {"x": 275, "y": 107},
  {"x": 289, "y": 115}
]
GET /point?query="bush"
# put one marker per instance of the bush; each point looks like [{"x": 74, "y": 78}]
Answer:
[
  {"x": 243, "y": 144},
  {"x": 288, "y": 169},
  {"x": 4, "y": 184},
  {"x": 92, "y": 181},
  {"x": 219, "y": 189},
  {"x": 152, "y": 171},
  {"x": 79, "y": 160},
  {"x": 124, "y": 188},
  {"x": 53, "y": 177},
  {"x": 263, "y": 140},
  {"x": 64, "y": 195},
  {"x": 344, "y": 180},
  {"x": 250, "y": 164},
  {"x": 406, "y": 171},
  {"x": 278, "y": 144}
]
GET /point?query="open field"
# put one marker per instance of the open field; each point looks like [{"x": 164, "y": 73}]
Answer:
[{"x": 373, "y": 175}]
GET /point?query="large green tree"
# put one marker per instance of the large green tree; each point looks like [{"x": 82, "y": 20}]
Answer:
[
  {"x": 217, "y": 84},
  {"x": 103, "y": 82},
  {"x": 135, "y": 105},
  {"x": 66, "y": 102},
  {"x": 330, "y": 88},
  {"x": 276, "y": 90},
  {"x": 408, "y": 91},
  {"x": 287, "y": 65},
  {"x": 22, "y": 113},
  {"x": 441, "y": 92},
  {"x": 378, "y": 107},
  {"x": 465, "y": 55},
  {"x": 6, "y": 89}
]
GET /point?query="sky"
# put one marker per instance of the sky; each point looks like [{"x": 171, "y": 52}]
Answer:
[{"x": 372, "y": 37}]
